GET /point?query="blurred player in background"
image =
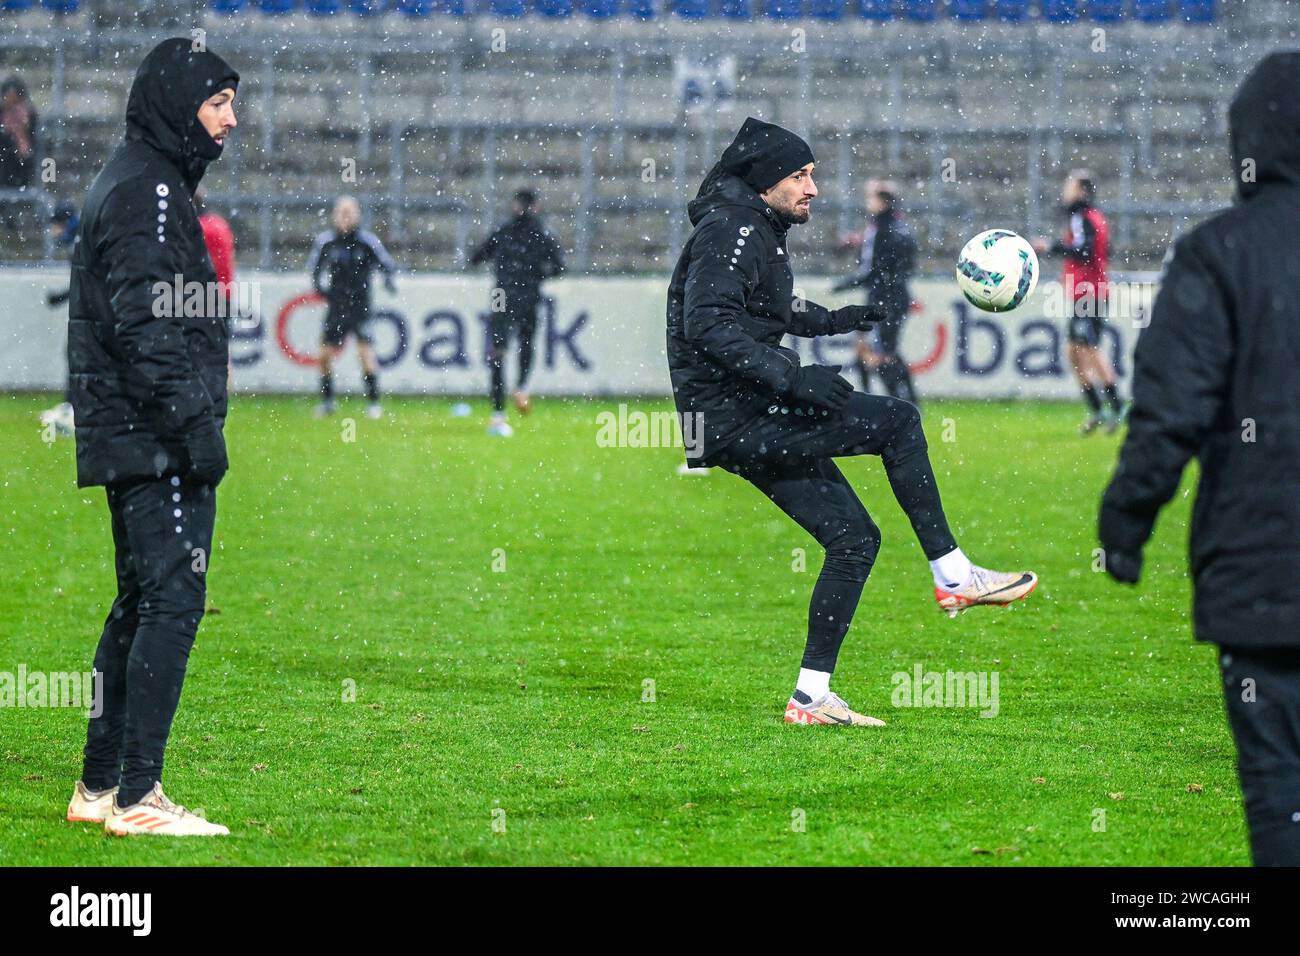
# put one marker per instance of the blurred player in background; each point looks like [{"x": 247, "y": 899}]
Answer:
[
  {"x": 886, "y": 261},
  {"x": 348, "y": 254},
  {"x": 524, "y": 255},
  {"x": 63, "y": 232},
  {"x": 780, "y": 425},
  {"x": 1086, "y": 247},
  {"x": 149, "y": 388},
  {"x": 1214, "y": 378}
]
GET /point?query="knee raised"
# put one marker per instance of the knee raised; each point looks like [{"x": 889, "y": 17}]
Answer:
[{"x": 854, "y": 551}]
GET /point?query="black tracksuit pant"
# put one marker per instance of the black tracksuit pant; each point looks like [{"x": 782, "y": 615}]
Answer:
[
  {"x": 893, "y": 371},
  {"x": 162, "y": 536},
  {"x": 519, "y": 318},
  {"x": 1262, "y": 689},
  {"x": 787, "y": 455}
]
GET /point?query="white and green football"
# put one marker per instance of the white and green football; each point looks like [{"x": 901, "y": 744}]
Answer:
[{"x": 997, "y": 270}]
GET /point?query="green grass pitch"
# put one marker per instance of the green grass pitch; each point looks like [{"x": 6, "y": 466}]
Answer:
[{"x": 500, "y": 606}]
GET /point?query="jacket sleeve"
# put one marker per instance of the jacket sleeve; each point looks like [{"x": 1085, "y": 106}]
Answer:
[
  {"x": 484, "y": 252},
  {"x": 1180, "y": 381},
  {"x": 552, "y": 256},
  {"x": 386, "y": 263},
  {"x": 316, "y": 261},
  {"x": 143, "y": 257},
  {"x": 719, "y": 279}
]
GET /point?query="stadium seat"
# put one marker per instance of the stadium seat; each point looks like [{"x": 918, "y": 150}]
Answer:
[
  {"x": 554, "y": 8},
  {"x": 324, "y": 8},
  {"x": 508, "y": 8},
  {"x": 922, "y": 10},
  {"x": 1106, "y": 11},
  {"x": 735, "y": 9},
  {"x": 1152, "y": 11},
  {"x": 61, "y": 6},
  {"x": 276, "y": 8},
  {"x": 784, "y": 9},
  {"x": 15, "y": 6},
  {"x": 1060, "y": 11},
  {"x": 1011, "y": 11},
  {"x": 416, "y": 8},
  {"x": 1197, "y": 11},
  {"x": 876, "y": 9},
  {"x": 368, "y": 8},
  {"x": 969, "y": 9},
  {"x": 826, "y": 9},
  {"x": 642, "y": 9},
  {"x": 691, "y": 9},
  {"x": 604, "y": 9}
]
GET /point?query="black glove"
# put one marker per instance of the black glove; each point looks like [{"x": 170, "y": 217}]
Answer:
[
  {"x": 207, "y": 448},
  {"x": 820, "y": 385},
  {"x": 1123, "y": 567},
  {"x": 857, "y": 318}
]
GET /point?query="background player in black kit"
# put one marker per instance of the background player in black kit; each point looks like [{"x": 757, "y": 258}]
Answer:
[
  {"x": 885, "y": 264},
  {"x": 348, "y": 254},
  {"x": 779, "y": 424},
  {"x": 525, "y": 255}
]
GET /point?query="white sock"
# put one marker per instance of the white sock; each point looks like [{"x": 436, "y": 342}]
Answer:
[
  {"x": 816, "y": 684},
  {"x": 951, "y": 570}
]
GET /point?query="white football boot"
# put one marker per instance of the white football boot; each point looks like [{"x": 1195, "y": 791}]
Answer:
[
  {"x": 90, "y": 806},
  {"x": 998, "y": 588},
  {"x": 831, "y": 709},
  {"x": 155, "y": 815}
]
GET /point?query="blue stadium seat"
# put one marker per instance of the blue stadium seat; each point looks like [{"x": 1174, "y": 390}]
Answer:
[
  {"x": 61, "y": 6},
  {"x": 1012, "y": 11},
  {"x": 1152, "y": 11},
  {"x": 276, "y": 8},
  {"x": 452, "y": 8},
  {"x": 826, "y": 9},
  {"x": 604, "y": 9},
  {"x": 15, "y": 5},
  {"x": 784, "y": 9},
  {"x": 691, "y": 9},
  {"x": 415, "y": 8},
  {"x": 736, "y": 9},
  {"x": 922, "y": 10},
  {"x": 642, "y": 9},
  {"x": 324, "y": 8},
  {"x": 1060, "y": 11},
  {"x": 508, "y": 8},
  {"x": 969, "y": 9},
  {"x": 1106, "y": 11},
  {"x": 554, "y": 8},
  {"x": 1197, "y": 11},
  {"x": 368, "y": 8},
  {"x": 876, "y": 9}
]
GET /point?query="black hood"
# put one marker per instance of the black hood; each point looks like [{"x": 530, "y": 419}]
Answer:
[
  {"x": 1264, "y": 124},
  {"x": 721, "y": 188},
  {"x": 162, "y": 110}
]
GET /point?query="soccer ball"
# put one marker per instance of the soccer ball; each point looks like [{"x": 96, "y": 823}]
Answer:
[{"x": 997, "y": 270}]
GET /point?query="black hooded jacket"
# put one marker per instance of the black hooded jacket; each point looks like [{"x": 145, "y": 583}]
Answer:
[
  {"x": 730, "y": 302},
  {"x": 142, "y": 376},
  {"x": 1217, "y": 378}
]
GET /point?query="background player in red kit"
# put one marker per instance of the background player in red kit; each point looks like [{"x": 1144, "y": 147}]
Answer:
[{"x": 1086, "y": 247}]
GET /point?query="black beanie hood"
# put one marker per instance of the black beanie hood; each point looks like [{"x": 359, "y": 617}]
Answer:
[
  {"x": 763, "y": 154},
  {"x": 1264, "y": 122},
  {"x": 171, "y": 84}
]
